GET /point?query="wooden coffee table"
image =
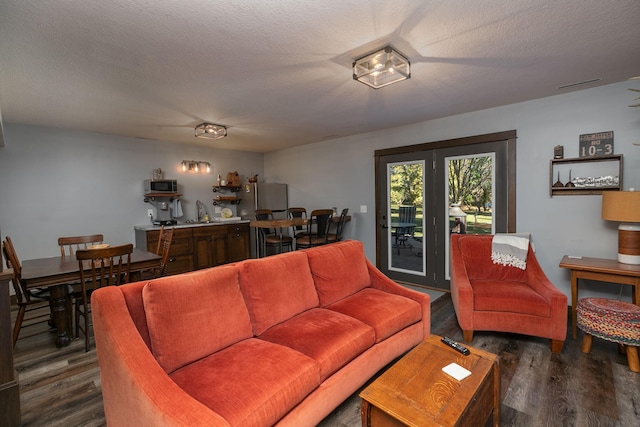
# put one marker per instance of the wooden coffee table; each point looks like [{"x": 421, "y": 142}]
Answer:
[{"x": 416, "y": 392}]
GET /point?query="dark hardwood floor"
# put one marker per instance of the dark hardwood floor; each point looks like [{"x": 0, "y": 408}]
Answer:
[{"x": 61, "y": 387}]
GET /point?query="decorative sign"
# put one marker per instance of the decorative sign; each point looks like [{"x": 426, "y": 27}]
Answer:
[{"x": 596, "y": 144}]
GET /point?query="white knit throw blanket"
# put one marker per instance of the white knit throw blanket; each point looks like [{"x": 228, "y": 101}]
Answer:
[{"x": 510, "y": 250}]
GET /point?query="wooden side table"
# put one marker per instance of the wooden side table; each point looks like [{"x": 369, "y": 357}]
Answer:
[
  {"x": 416, "y": 392},
  {"x": 601, "y": 270}
]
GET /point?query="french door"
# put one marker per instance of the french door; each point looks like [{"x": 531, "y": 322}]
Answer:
[{"x": 426, "y": 192}]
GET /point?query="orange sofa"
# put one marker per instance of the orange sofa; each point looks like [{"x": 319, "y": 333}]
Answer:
[
  {"x": 493, "y": 297},
  {"x": 281, "y": 340}
]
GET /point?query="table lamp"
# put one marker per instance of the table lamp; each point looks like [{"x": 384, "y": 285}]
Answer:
[{"x": 624, "y": 207}]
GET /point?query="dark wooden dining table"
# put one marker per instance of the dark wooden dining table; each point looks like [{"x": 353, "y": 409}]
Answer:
[{"x": 57, "y": 272}]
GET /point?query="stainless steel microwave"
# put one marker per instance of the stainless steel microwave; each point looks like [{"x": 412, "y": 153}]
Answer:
[{"x": 160, "y": 186}]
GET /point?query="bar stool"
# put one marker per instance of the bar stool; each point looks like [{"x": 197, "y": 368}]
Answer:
[{"x": 611, "y": 320}]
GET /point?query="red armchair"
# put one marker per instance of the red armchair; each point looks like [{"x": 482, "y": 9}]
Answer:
[{"x": 493, "y": 297}]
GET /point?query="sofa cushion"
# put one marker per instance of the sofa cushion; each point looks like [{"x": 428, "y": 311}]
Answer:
[
  {"x": 338, "y": 270},
  {"x": 500, "y": 295},
  {"x": 332, "y": 339},
  {"x": 251, "y": 383},
  {"x": 386, "y": 313},
  {"x": 133, "y": 297},
  {"x": 193, "y": 315},
  {"x": 276, "y": 288}
]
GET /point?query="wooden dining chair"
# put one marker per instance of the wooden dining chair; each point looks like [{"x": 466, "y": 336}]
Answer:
[
  {"x": 162, "y": 248},
  {"x": 99, "y": 267},
  {"x": 69, "y": 245},
  {"x": 272, "y": 237},
  {"x": 317, "y": 233},
  {"x": 27, "y": 302},
  {"x": 337, "y": 236}
]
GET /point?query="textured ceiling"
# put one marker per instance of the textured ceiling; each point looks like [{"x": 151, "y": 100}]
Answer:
[{"x": 278, "y": 72}]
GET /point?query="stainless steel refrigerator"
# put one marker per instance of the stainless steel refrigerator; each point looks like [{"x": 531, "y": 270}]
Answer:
[{"x": 263, "y": 195}]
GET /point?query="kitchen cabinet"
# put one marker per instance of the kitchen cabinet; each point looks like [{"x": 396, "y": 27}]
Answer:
[
  {"x": 200, "y": 246},
  {"x": 238, "y": 242},
  {"x": 209, "y": 246}
]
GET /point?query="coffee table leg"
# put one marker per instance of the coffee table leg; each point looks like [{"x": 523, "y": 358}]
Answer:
[
  {"x": 365, "y": 413},
  {"x": 59, "y": 306}
]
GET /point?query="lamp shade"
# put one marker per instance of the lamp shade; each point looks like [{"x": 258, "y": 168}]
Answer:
[
  {"x": 456, "y": 212},
  {"x": 622, "y": 206}
]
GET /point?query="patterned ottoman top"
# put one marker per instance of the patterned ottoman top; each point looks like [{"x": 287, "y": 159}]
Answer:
[{"x": 609, "y": 319}]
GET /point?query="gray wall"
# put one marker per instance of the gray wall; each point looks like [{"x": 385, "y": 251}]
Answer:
[
  {"x": 57, "y": 182},
  {"x": 65, "y": 183},
  {"x": 341, "y": 172}
]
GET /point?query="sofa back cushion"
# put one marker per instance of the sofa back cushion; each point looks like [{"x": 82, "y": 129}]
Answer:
[
  {"x": 193, "y": 315},
  {"x": 476, "y": 255},
  {"x": 338, "y": 270},
  {"x": 132, "y": 293},
  {"x": 276, "y": 288}
]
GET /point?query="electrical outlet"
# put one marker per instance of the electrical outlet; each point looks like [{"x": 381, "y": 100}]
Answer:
[{"x": 150, "y": 213}]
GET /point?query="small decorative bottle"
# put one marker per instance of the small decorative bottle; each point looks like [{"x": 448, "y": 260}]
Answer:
[{"x": 219, "y": 178}]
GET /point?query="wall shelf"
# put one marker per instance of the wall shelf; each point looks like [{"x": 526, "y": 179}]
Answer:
[
  {"x": 231, "y": 188},
  {"x": 598, "y": 174}
]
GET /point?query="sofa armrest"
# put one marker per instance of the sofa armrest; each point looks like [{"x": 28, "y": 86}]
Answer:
[
  {"x": 461, "y": 289},
  {"x": 134, "y": 386},
  {"x": 383, "y": 283}
]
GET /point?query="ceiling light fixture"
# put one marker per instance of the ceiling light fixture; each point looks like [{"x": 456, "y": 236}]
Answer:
[
  {"x": 381, "y": 68},
  {"x": 211, "y": 131}
]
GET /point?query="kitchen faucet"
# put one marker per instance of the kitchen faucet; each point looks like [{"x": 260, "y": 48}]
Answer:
[{"x": 201, "y": 211}]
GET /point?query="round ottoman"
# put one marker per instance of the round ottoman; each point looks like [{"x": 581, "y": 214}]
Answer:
[{"x": 611, "y": 320}]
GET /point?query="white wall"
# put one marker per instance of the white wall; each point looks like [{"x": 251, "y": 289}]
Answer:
[
  {"x": 341, "y": 172},
  {"x": 64, "y": 183}
]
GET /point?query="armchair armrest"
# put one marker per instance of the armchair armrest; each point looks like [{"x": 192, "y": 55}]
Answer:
[
  {"x": 461, "y": 290},
  {"x": 382, "y": 282},
  {"x": 539, "y": 282},
  {"x": 131, "y": 377}
]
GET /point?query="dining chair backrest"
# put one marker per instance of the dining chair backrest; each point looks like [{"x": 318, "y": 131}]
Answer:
[
  {"x": 13, "y": 262},
  {"x": 109, "y": 266},
  {"x": 262, "y": 215},
  {"x": 294, "y": 213},
  {"x": 163, "y": 248},
  {"x": 69, "y": 245},
  {"x": 321, "y": 219},
  {"x": 104, "y": 266},
  {"x": 341, "y": 221},
  {"x": 25, "y": 300}
]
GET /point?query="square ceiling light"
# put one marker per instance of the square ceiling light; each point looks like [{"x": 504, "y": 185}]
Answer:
[
  {"x": 382, "y": 68},
  {"x": 211, "y": 131}
]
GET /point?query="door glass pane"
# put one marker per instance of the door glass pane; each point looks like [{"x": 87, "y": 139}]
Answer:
[
  {"x": 405, "y": 207},
  {"x": 470, "y": 192}
]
